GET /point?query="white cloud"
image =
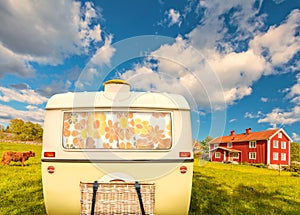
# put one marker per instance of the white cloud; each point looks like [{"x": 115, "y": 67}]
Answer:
[
  {"x": 104, "y": 54},
  {"x": 264, "y": 99},
  {"x": 212, "y": 29},
  {"x": 212, "y": 76},
  {"x": 14, "y": 63},
  {"x": 295, "y": 137},
  {"x": 294, "y": 92},
  {"x": 56, "y": 86},
  {"x": 27, "y": 96},
  {"x": 45, "y": 32},
  {"x": 286, "y": 117},
  {"x": 253, "y": 115},
  {"x": 209, "y": 77},
  {"x": 281, "y": 117},
  {"x": 232, "y": 120},
  {"x": 174, "y": 17},
  {"x": 280, "y": 43},
  {"x": 35, "y": 115}
]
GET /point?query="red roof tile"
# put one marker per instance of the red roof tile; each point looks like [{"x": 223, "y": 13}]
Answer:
[{"x": 260, "y": 135}]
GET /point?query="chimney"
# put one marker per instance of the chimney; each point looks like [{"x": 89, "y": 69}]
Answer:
[
  {"x": 232, "y": 133},
  {"x": 248, "y": 130}
]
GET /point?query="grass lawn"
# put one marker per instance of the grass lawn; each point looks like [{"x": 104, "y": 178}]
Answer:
[
  {"x": 21, "y": 187},
  {"x": 238, "y": 189},
  {"x": 217, "y": 188}
]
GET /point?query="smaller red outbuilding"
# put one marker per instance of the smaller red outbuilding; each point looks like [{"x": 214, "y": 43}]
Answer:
[{"x": 270, "y": 147}]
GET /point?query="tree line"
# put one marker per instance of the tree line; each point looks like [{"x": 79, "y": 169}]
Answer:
[{"x": 23, "y": 131}]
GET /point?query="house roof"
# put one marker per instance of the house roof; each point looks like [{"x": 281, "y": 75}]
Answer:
[
  {"x": 259, "y": 135},
  {"x": 226, "y": 149}
]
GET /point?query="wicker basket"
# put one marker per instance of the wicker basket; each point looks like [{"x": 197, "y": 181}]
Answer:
[{"x": 117, "y": 198}]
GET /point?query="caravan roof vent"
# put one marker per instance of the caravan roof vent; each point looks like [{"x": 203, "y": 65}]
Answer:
[{"x": 116, "y": 89}]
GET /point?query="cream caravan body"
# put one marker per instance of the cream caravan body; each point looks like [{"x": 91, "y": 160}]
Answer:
[{"x": 117, "y": 135}]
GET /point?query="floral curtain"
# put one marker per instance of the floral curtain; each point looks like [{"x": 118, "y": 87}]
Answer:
[{"x": 117, "y": 130}]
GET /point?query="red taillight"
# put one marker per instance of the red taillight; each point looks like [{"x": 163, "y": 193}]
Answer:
[
  {"x": 49, "y": 154},
  {"x": 184, "y": 154},
  {"x": 183, "y": 169},
  {"x": 51, "y": 169}
]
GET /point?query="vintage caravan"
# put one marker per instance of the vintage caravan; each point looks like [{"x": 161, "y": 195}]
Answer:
[{"x": 117, "y": 152}]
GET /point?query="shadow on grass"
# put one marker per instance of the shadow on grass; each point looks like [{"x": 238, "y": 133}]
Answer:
[{"x": 211, "y": 197}]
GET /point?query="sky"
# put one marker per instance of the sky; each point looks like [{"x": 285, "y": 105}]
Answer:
[{"x": 236, "y": 62}]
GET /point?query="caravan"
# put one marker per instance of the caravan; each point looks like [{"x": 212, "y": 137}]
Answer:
[{"x": 117, "y": 152}]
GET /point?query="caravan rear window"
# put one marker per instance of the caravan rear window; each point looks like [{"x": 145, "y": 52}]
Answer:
[{"x": 117, "y": 130}]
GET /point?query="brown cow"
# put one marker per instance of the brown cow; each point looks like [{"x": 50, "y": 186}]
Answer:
[{"x": 7, "y": 157}]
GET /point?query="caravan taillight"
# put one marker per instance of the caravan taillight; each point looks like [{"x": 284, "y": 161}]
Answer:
[
  {"x": 49, "y": 154},
  {"x": 184, "y": 154},
  {"x": 183, "y": 169},
  {"x": 51, "y": 169}
]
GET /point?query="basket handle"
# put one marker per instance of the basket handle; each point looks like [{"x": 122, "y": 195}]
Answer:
[
  {"x": 138, "y": 191},
  {"x": 95, "y": 188}
]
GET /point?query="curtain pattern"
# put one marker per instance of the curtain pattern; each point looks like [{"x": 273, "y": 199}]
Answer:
[{"x": 117, "y": 130}]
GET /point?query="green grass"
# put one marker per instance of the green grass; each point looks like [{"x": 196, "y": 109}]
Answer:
[
  {"x": 239, "y": 189},
  {"x": 21, "y": 187},
  {"x": 217, "y": 188}
]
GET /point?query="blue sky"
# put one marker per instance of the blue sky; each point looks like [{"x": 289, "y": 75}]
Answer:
[{"x": 236, "y": 62}]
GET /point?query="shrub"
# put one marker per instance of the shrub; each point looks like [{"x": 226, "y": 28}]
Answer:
[
  {"x": 295, "y": 174},
  {"x": 292, "y": 168}
]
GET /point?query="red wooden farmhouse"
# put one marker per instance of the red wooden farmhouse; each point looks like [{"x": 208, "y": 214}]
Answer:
[{"x": 270, "y": 147}]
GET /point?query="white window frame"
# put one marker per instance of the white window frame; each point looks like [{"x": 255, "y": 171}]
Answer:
[
  {"x": 275, "y": 156},
  {"x": 279, "y": 135},
  {"x": 251, "y": 157},
  {"x": 283, "y": 144},
  {"x": 252, "y": 144},
  {"x": 216, "y": 145},
  {"x": 283, "y": 156},
  {"x": 275, "y": 146},
  {"x": 218, "y": 155},
  {"x": 229, "y": 145}
]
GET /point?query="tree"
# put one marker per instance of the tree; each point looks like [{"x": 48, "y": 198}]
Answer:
[
  {"x": 26, "y": 130},
  {"x": 201, "y": 148},
  {"x": 205, "y": 145},
  {"x": 295, "y": 151},
  {"x": 16, "y": 126}
]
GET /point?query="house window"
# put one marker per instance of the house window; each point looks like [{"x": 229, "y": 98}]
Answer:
[
  {"x": 275, "y": 143},
  {"x": 217, "y": 155},
  {"x": 252, "y": 144},
  {"x": 216, "y": 145},
  {"x": 280, "y": 135},
  {"x": 229, "y": 145},
  {"x": 283, "y": 144},
  {"x": 235, "y": 155},
  {"x": 252, "y": 155},
  {"x": 275, "y": 156},
  {"x": 283, "y": 156}
]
